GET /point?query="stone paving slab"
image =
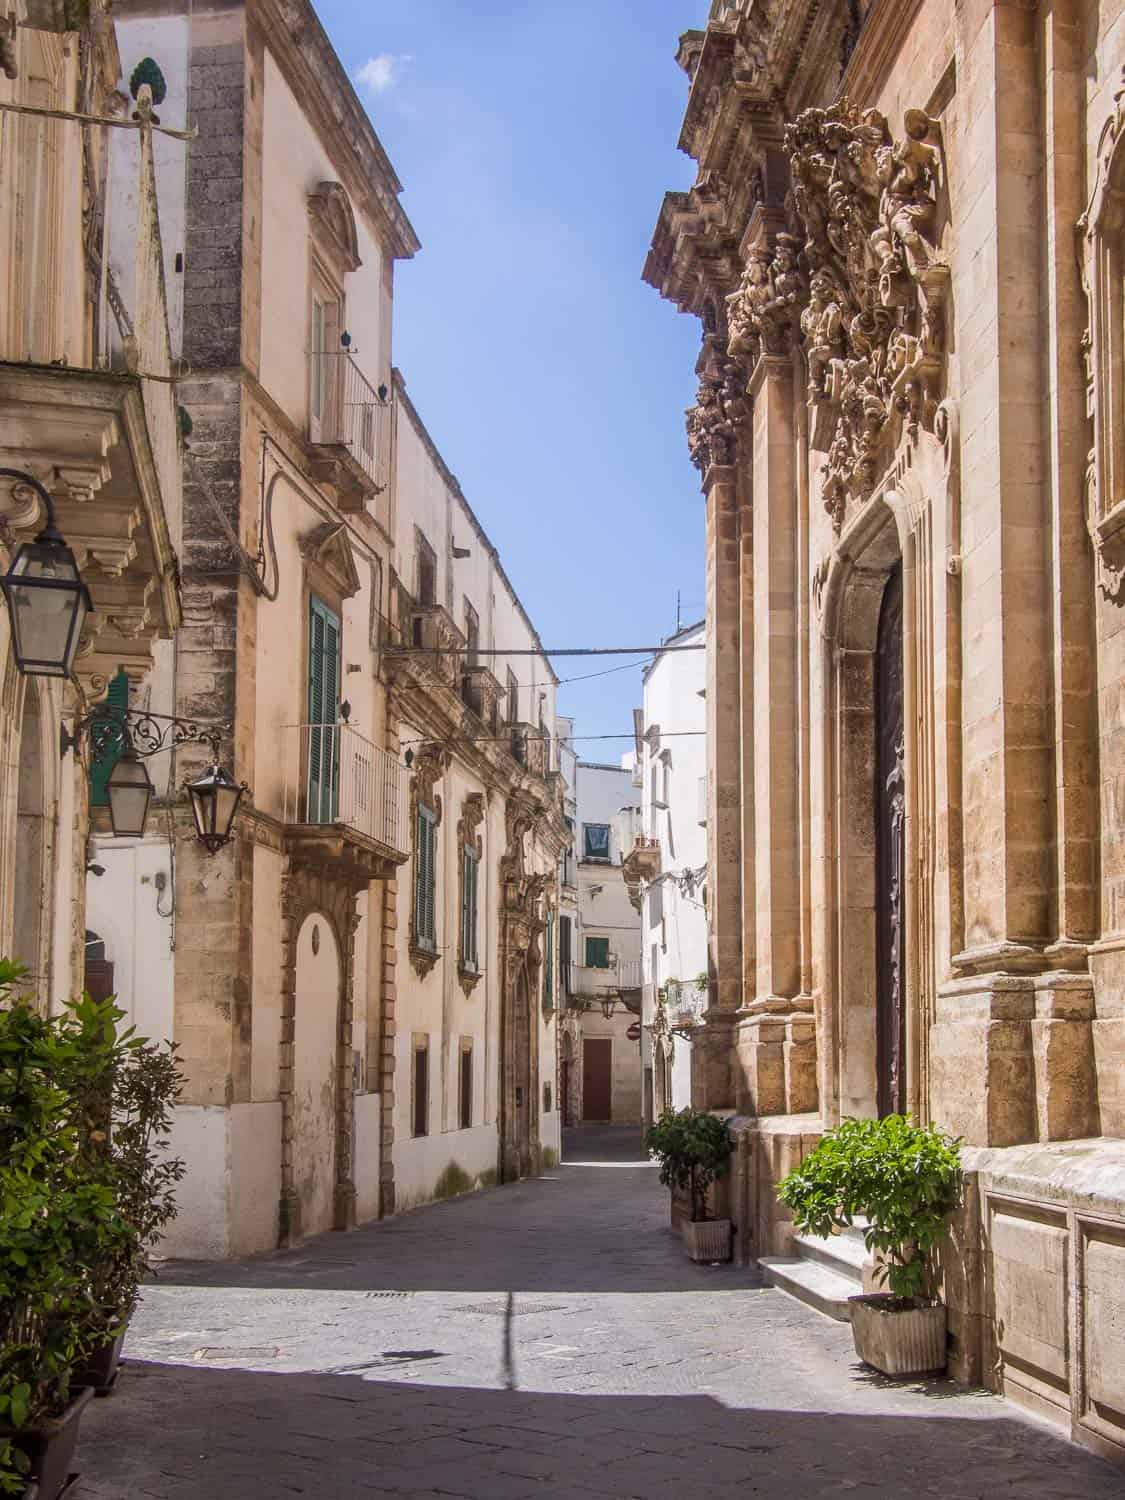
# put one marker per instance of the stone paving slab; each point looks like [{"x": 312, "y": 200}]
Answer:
[{"x": 637, "y": 1374}]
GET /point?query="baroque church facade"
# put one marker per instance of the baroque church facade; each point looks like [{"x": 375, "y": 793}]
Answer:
[{"x": 904, "y": 246}]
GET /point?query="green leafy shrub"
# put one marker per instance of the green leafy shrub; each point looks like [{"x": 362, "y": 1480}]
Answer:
[
  {"x": 693, "y": 1148},
  {"x": 85, "y": 1188},
  {"x": 905, "y": 1179}
]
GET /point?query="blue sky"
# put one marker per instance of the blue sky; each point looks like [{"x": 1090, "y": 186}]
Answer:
[{"x": 535, "y": 140}]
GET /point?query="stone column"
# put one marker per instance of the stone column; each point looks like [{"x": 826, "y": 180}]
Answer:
[
  {"x": 711, "y": 1050},
  {"x": 768, "y": 1048},
  {"x": 981, "y": 1046}
]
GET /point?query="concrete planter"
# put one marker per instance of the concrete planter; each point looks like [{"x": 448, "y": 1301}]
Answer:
[
  {"x": 898, "y": 1340},
  {"x": 708, "y": 1239}
]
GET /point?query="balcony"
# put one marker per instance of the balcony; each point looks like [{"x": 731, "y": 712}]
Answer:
[
  {"x": 481, "y": 691},
  {"x": 531, "y": 748},
  {"x": 595, "y": 985},
  {"x": 432, "y": 630},
  {"x": 641, "y": 863},
  {"x": 345, "y": 799},
  {"x": 350, "y": 425}
]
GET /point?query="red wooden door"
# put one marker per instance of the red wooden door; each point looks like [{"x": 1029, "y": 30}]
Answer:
[{"x": 597, "y": 1078}]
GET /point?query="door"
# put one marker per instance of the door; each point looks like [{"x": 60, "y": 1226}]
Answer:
[
  {"x": 524, "y": 1100},
  {"x": 324, "y": 733},
  {"x": 326, "y": 363},
  {"x": 597, "y": 1078},
  {"x": 890, "y": 854}
]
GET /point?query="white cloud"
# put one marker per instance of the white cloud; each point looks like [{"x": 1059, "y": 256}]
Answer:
[{"x": 378, "y": 73}]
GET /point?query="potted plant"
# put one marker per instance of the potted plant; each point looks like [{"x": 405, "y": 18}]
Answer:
[
  {"x": 693, "y": 1148},
  {"x": 145, "y": 1084},
  {"x": 905, "y": 1180},
  {"x": 57, "y": 1219}
]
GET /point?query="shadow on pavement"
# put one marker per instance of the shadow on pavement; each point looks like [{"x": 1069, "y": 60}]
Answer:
[{"x": 176, "y": 1433}]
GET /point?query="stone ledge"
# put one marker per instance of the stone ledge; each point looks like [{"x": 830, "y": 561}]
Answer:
[{"x": 1086, "y": 1174}]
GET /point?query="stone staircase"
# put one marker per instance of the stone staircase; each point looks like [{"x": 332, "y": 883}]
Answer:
[{"x": 823, "y": 1272}]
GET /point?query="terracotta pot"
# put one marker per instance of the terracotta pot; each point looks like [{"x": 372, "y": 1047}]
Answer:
[
  {"x": 707, "y": 1239},
  {"x": 50, "y": 1446},
  {"x": 897, "y": 1339},
  {"x": 102, "y": 1368}
]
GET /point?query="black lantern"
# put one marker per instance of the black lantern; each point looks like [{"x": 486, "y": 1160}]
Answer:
[
  {"x": 47, "y": 600},
  {"x": 214, "y": 801},
  {"x": 129, "y": 790},
  {"x": 608, "y": 1007}
]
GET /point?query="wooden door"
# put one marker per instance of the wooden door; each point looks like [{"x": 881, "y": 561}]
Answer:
[
  {"x": 597, "y": 1078},
  {"x": 890, "y": 854}
]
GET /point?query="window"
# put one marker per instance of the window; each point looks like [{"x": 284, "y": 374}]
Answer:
[
  {"x": 472, "y": 635},
  {"x": 549, "y": 962},
  {"x": 421, "y": 1086},
  {"x": 470, "y": 886},
  {"x": 565, "y": 952},
  {"x": 325, "y": 360},
  {"x": 323, "y": 697},
  {"x": 103, "y": 762},
  {"x": 512, "y": 701},
  {"x": 595, "y": 840},
  {"x": 597, "y": 953},
  {"x": 425, "y": 583},
  {"x": 465, "y": 1085},
  {"x": 425, "y": 852}
]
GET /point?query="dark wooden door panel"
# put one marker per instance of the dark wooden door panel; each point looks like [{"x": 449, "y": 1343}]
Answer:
[{"x": 597, "y": 1078}]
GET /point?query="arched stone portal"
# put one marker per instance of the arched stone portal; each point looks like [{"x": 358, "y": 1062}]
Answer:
[{"x": 314, "y": 1118}]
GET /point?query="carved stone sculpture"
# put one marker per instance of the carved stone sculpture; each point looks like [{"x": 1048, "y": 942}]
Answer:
[{"x": 872, "y": 318}]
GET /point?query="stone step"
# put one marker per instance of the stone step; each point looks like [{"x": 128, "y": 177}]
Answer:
[
  {"x": 843, "y": 1253},
  {"x": 811, "y": 1282}
]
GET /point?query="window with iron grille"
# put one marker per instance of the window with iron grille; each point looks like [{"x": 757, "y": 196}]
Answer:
[{"x": 425, "y": 878}]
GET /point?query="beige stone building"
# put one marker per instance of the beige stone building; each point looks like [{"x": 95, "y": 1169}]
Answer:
[
  {"x": 473, "y": 1096},
  {"x": 904, "y": 245},
  {"x": 348, "y": 1051},
  {"x": 87, "y": 411}
]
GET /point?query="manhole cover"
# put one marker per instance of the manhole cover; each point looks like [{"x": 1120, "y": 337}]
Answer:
[
  {"x": 371, "y": 1295},
  {"x": 250, "y": 1352},
  {"x": 521, "y": 1309}
]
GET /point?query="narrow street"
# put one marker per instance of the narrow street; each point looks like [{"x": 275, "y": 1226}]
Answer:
[{"x": 374, "y": 1363}]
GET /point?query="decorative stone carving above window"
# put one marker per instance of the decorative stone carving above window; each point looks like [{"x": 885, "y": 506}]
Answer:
[
  {"x": 1101, "y": 231},
  {"x": 333, "y": 223},
  {"x": 873, "y": 322},
  {"x": 328, "y": 555}
]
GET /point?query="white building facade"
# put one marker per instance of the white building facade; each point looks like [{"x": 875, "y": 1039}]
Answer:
[
  {"x": 601, "y": 1061},
  {"x": 667, "y": 869}
]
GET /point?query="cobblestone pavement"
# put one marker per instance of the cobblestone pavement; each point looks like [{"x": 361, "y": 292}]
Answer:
[{"x": 374, "y": 1364}]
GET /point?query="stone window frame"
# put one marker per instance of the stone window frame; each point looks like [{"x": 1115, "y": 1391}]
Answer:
[
  {"x": 333, "y": 256},
  {"x": 430, "y": 765},
  {"x": 419, "y": 1046},
  {"x": 1102, "y": 232},
  {"x": 469, "y": 843}
]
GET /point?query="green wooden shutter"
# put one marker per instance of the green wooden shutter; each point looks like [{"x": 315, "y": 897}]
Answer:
[
  {"x": 597, "y": 953},
  {"x": 549, "y": 963},
  {"x": 424, "y": 878},
  {"x": 324, "y": 689},
  {"x": 102, "y": 765},
  {"x": 469, "y": 886}
]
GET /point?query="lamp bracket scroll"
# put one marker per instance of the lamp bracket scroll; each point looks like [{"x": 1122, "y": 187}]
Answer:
[{"x": 149, "y": 733}]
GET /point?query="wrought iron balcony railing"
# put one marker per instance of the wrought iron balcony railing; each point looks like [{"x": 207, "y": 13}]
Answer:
[
  {"x": 346, "y": 411},
  {"x": 333, "y": 775}
]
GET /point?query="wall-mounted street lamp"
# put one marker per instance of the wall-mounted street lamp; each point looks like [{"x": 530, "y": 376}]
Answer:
[
  {"x": 47, "y": 600},
  {"x": 609, "y": 1005},
  {"x": 215, "y": 796}
]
